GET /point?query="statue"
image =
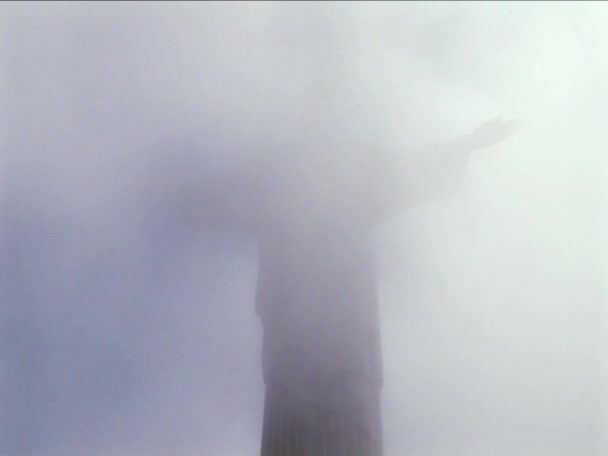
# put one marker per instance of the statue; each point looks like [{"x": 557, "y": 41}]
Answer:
[{"x": 316, "y": 294}]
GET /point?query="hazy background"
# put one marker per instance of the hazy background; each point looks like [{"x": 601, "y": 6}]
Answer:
[{"x": 125, "y": 331}]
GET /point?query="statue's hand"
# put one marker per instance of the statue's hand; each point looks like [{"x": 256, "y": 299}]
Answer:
[{"x": 492, "y": 132}]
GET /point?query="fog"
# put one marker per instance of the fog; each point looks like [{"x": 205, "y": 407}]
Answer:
[{"x": 127, "y": 330}]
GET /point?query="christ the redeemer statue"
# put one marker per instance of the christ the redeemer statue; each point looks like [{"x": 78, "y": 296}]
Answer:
[{"x": 313, "y": 213}]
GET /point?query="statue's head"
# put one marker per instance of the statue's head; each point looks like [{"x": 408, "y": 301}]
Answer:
[{"x": 324, "y": 109}]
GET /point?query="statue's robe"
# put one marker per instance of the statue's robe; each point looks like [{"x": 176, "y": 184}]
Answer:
[{"x": 316, "y": 292}]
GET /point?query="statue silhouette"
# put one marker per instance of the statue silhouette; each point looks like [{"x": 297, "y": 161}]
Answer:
[{"x": 313, "y": 212}]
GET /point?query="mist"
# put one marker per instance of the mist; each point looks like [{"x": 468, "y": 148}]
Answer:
[{"x": 126, "y": 329}]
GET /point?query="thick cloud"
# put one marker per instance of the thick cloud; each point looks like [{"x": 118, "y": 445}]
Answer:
[{"x": 126, "y": 331}]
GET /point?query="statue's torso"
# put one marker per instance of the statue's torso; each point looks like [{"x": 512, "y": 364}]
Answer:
[
  {"x": 317, "y": 299},
  {"x": 316, "y": 296}
]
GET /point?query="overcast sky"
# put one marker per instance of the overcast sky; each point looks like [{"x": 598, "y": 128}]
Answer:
[{"x": 126, "y": 331}]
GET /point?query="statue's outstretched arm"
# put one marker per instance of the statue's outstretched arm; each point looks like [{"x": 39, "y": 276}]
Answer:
[
  {"x": 435, "y": 171},
  {"x": 235, "y": 196}
]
